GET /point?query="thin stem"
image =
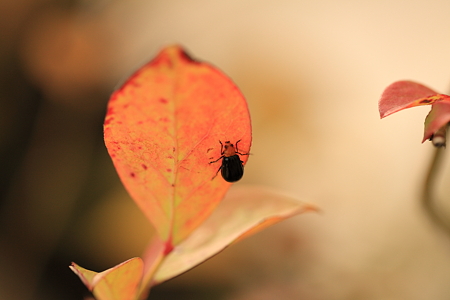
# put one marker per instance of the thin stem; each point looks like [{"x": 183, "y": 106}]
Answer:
[{"x": 429, "y": 197}]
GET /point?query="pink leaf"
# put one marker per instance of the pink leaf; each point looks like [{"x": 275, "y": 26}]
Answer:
[
  {"x": 437, "y": 118},
  {"x": 244, "y": 211},
  {"x": 406, "y": 94}
]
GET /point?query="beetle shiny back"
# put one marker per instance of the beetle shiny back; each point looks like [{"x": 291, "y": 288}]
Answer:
[{"x": 232, "y": 168}]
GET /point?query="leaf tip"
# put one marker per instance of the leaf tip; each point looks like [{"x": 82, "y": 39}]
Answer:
[
  {"x": 311, "y": 208},
  {"x": 186, "y": 56},
  {"x": 74, "y": 267},
  {"x": 172, "y": 56},
  {"x": 382, "y": 114}
]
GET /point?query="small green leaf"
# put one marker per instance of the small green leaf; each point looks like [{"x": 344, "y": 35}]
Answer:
[{"x": 118, "y": 283}]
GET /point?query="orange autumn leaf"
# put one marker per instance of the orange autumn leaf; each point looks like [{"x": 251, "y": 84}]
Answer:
[
  {"x": 120, "y": 282},
  {"x": 163, "y": 127}
]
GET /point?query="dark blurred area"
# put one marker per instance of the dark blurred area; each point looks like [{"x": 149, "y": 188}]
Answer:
[
  {"x": 55, "y": 82},
  {"x": 312, "y": 73}
]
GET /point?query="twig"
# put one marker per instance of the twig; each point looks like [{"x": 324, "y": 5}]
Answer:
[{"x": 429, "y": 197}]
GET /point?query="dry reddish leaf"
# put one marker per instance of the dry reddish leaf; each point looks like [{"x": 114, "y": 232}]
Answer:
[
  {"x": 120, "y": 282},
  {"x": 438, "y": 117},
  {"x": 162, "y": 128},
  {"x": 244, "y": 211},
  {"x": 405, "y": 94}
]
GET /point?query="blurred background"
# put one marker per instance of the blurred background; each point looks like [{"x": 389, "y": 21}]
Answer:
[{"x": 312, "y": 72}]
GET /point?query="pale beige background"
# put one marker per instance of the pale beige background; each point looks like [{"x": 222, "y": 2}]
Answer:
[{"x": 312, "y": 72}]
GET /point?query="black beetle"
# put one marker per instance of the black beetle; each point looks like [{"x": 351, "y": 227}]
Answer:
[{"x": 232, "y": 166}]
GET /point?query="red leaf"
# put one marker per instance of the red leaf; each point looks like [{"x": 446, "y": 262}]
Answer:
[
  {"x": 162, "y": 129},
  {"x": 437, "y": 118},
  {"x": 406, "y": 94}
]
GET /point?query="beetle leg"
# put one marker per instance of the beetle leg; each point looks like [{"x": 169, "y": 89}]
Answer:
[
  {"x": 242, "y": 153},
  {"x": 217, "y": 172},
  {"x": 216, "y": 160}
]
